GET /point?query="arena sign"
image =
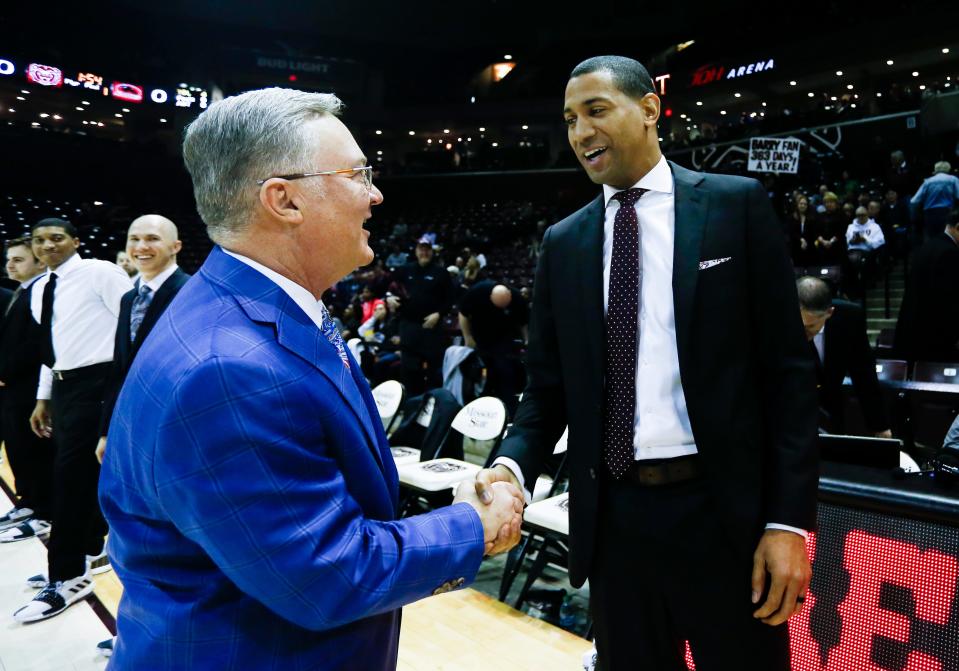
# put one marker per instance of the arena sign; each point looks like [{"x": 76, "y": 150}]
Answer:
[
  {"x": 41, "y": 74},
  {"x": 710, "y": 73},
  {"x": 769, "y": 154}
]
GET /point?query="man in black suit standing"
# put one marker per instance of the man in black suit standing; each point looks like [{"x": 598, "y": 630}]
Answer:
[
  {"x": 928, "y": 326},
  {"x": 839, "y": 346},
  {"x": 31, "y": 458},
  {"x": 690, "y": 399},
  {"x": 152, "y": 244}
]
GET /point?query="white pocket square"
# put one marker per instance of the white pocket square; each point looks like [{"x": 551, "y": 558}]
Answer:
[{"x": 703, "y": 265}]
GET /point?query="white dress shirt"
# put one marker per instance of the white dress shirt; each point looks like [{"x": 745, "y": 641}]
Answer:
[
  {"x": 871, "y": 233},
  {"x": 300, "y": 295},
  {"x": 86, "y": 306},
  {"x": 661, "y": 423},
  {"x": 157, "y": 281}
]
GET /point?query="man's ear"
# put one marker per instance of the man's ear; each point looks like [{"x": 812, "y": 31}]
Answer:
[
  {"x": 278, "y": 197},
  {"x": 650, "y": 104}
]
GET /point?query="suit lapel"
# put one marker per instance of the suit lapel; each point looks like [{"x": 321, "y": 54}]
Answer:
[
  {"x": 160, "y": 301},
  {"x": 265, "y": 302},
  {"x": 590, "y": 257},
  {"x": 692, "y": 205},
  {"x": 296, "y": 332}
]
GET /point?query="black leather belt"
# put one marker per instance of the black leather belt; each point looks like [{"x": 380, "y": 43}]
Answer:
[
  {"x": 86, "y": 371},
  {"x": 653, "y": 473}
]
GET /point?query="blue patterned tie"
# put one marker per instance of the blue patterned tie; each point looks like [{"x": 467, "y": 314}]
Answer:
[
  {"x": 333, "y": 335},
  {"x": 622, "y": 335},
  {"x": 141, "y": 302}
]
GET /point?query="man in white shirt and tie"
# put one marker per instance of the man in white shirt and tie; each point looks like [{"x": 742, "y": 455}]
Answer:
[
  {"x": 666, "y": 335},
  {"x": 76, "y": 303}
]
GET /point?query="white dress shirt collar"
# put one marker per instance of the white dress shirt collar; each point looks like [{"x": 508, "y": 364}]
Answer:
[
  {"x": 67, "y": 266},
  {"x": 660, "y": 178},
  {"x": 300, "y": 295},
  {"x": 158, "y": 281}
]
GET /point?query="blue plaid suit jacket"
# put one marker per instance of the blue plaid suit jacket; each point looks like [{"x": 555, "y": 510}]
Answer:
[{"x": 252, "y": 497}]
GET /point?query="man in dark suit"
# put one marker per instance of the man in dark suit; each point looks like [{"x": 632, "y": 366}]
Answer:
[
  {"x": 691, "y": 416},
  {"x": 152, "y": 244},
  {"x": 31, "y": 458},
  {"x": 928, "y": 326},
  {"x": 839, "y": 346}
]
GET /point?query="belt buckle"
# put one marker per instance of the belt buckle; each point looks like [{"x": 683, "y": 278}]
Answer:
[{"x": 58, "y": 375}]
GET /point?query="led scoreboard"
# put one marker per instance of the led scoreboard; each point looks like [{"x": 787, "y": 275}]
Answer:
[{"x": 41, "y": 74}]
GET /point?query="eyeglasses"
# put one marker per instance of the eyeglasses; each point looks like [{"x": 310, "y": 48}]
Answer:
[{"x": 365, "y": 170}]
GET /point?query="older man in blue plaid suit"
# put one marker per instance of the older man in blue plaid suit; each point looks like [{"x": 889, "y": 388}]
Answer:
[{"x": 249, "y": 487}]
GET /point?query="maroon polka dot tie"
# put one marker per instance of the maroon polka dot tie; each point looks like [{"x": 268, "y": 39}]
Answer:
[{"x": 622, "y": 335}]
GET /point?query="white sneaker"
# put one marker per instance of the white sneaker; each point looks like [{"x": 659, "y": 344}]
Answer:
[
  {"x": 105, "y": 648},
  {"x": 38, "y": 581},
  {"x": 55, "y": 598},
  {"x": 98, "y": 564},
  {"x": 30, "y": 529},
  {"x": 15, "y": 516}
]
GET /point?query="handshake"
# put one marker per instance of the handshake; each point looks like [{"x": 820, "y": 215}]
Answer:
[{"x": 498, "y": 500}]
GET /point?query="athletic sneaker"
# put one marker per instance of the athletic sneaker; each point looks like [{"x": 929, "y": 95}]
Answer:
[
  {"x": 55, "y": 598},
  {"x": 15, "y": 516},
  {"x": 105, "y": 648},
  {"x": 38, "y": 581},
  {"x": 29, "y": 529},
  {"x": 98, "y": 564}
]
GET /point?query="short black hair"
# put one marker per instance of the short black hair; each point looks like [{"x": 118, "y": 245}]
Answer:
[
  {"x": 815, "y": 294},
  {"x": 69, "y": 228},
  {"x": 629, "y": 75}
]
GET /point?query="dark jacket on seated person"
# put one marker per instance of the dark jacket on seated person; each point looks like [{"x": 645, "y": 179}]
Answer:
[{"x": 847, "y": 352}]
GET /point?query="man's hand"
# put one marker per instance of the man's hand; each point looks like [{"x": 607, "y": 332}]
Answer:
[
  {"x": 884, "y": 434},
  {"x": 803, "y": 244},
  {"x": 40, "y": 421},
  {"x": 485, "y": 480},
  {"x": 101, "y": 448},
  {"x": 782, "y": 554},
  {"x": 431, "y": 320},
  {"x": 501, "y": 518}
]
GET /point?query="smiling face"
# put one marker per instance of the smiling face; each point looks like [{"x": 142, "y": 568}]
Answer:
[
  {"x": 53, "y": 245},
  {"x": 335, "y": 207},
  {"x": 152, "y": 245},
  {"x": 613, "y": 134}
]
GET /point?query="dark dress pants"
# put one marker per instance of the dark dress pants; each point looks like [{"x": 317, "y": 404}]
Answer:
[
  {"x": 78, "y": 524},
  {"x": 31, "y": 457},
  {"x": 664, "y": 574},
  {"x": 421, "y": 357}
]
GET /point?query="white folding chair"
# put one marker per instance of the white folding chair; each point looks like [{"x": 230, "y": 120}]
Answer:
[
  {"x": 411, "y": 455},
  {"x": 481, "y": 419},
  {"x": 907, "y": 463},
  {"x": 544, "y": 483},
  {"x": 388, "y": 397},
  {"x": 547, "y": 525},
  {"x": 353, "y": 344}
]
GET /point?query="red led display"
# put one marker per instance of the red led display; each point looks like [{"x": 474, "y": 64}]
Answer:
[
  {"x": 45, "y": 75},
  {"x": 883, "y": 596},
  {"x": 128, "y": 92}
]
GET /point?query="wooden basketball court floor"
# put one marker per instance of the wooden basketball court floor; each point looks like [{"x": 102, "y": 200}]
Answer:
[{"x": 459, "y": 631}]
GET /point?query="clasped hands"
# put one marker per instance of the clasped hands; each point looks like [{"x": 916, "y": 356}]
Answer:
[{"x": 498, "y": 500}]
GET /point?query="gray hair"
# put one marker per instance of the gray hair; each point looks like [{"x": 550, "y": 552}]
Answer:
[
  {"x": 243, "y": 138},
  {"x": 942, "y": 166},
  {"x": 815, "y": 295}
]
